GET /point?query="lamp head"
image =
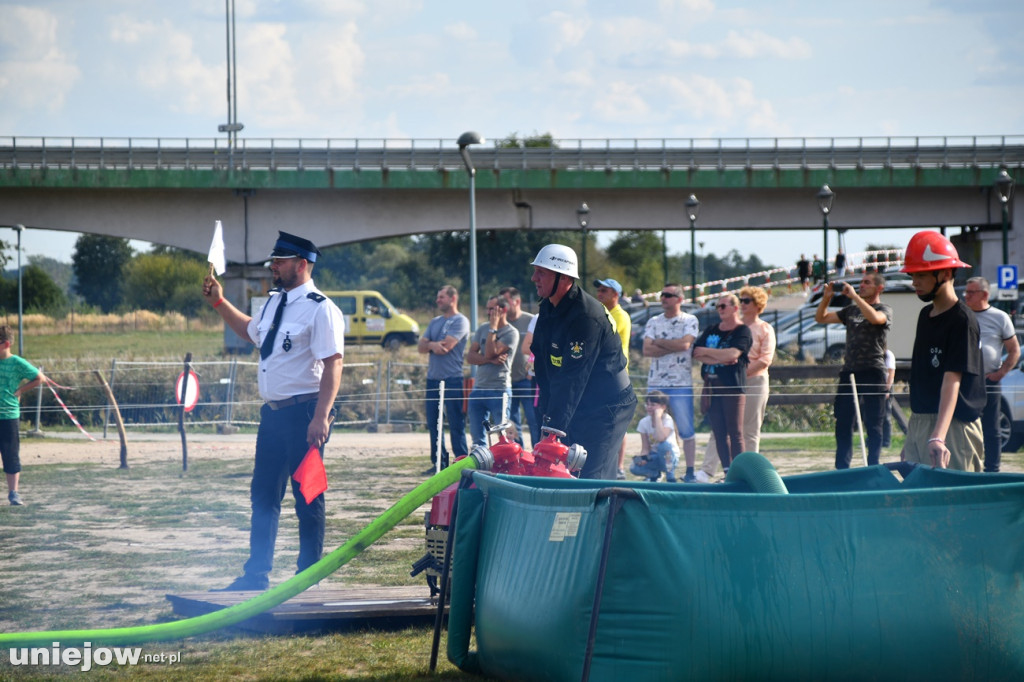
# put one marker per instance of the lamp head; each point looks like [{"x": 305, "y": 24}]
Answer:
[
  {"x": 693, "y": 207},
  {"x": 583, "y": 215},
  {"x": 1004, "y": 185},
  {"x": 825, "y": 198},
  {"x": 468, "y": 138}
]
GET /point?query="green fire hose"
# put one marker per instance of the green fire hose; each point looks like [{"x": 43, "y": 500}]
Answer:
[{"x": 198, "y": 625}]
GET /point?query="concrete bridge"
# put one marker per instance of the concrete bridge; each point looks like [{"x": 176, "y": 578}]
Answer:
[{"x": 170, "y": 191}]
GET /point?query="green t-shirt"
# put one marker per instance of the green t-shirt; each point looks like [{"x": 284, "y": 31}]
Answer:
[{"x": 13, "y": 371}]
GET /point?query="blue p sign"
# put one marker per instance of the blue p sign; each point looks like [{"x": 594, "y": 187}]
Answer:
[{"x": 1006, "y": 276}]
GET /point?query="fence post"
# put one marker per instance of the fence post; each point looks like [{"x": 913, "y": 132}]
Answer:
[
  {"x": 106, "y": 411},
  {"x": 229, "y": 398},
  {"x": 111, "y": 400},
  {"x": 39, "y": 407},
  {"x": 376, "y": 400},
  {"x": 387, "y": 396},
  {"x": 181, "y": 414}
]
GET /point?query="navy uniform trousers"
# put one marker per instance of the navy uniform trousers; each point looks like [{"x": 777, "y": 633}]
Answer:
[{"x": 280, "y": 447}]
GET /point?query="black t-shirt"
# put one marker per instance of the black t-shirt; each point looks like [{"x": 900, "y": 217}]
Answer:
[
  {"x": 865, "y": 342},
  {"x": 949, "y": 342},
  {"x": 738, "y": 337}
]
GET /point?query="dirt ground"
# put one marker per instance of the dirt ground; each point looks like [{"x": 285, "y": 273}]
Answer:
[{"x": 103, "y": 545}]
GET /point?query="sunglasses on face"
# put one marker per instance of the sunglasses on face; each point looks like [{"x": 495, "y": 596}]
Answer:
[
  {"x": 669, "y": 294},
  {"x": 722, "y": 306},
  {"x": 747, "y": 301}
]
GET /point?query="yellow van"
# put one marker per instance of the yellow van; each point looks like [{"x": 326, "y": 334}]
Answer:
[{"x": 370, "y": 318}]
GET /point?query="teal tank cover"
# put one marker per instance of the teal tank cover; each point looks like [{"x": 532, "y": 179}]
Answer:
[{"x": 852, "y": 575}]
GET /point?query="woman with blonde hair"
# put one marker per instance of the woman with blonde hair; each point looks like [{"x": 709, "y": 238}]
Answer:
[
  {"x": 752, "y": 302},
  {"x": 723, "y": 349}
]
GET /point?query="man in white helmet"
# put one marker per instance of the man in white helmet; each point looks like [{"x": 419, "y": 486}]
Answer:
[{"x": 581, "y": 371}]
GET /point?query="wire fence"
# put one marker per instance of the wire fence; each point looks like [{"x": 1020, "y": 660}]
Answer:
[{"x": 376, "y": 391}]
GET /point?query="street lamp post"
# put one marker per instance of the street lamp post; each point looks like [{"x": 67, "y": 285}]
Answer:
[
  {"x": 692, "y": 211},
  {"x": 232, "y": 127},
  {"x": 583, "y": 218},
  {"x": 664, "y": 253},
  {"x": 825, "y": 198},
  {"x": 1004, "y": 185},
  {"x": 700, "y": 271},
  {"x": 464, "y": 141},
  {"x": 19, "y": 229}
]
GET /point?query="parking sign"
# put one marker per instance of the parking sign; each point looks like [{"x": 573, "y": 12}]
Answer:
[{"x": 1006, "y": 280}]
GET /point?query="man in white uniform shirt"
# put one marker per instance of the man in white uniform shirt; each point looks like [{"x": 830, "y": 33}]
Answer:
[{"x": 301, "y": 335}]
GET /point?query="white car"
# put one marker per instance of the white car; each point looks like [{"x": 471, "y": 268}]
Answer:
[
  {"x": 809, "y": 339},
  {"x": 1011, "y": 411}
]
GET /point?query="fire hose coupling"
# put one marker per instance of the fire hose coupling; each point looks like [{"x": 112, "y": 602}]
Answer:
[
  {"x": 576, "y": 457},
  {"x": 483, "y": 457}
]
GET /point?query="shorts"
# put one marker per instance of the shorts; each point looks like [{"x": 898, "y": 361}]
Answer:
[
  {"x": 680, "y": 404},
  {"x": 964, "y": 440},
  {"x": 10, "y": 444}
]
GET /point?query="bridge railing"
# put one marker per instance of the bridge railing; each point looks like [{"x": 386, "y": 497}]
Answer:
[{"x": 571, "y": 154}]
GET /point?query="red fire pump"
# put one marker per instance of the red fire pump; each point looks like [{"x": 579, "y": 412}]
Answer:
[{"x": 550, "y": 459}]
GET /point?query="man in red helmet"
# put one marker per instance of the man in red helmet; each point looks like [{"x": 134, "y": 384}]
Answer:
[{"x": 947, "y": 389}]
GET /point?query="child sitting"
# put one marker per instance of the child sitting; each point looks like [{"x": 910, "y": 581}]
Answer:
[{"x": 657, "y": 430}]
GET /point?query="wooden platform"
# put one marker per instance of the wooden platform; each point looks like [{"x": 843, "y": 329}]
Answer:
[{"x": 322, "y": 609}]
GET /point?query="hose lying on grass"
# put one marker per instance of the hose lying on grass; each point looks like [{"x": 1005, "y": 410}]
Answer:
[{"x": 231, "y": 615}]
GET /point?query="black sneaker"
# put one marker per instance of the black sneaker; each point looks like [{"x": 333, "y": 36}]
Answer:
[{"x": 246, "y": 583}]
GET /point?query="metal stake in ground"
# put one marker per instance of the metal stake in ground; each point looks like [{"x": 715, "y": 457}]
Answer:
[
  {"x": 117, "y": 418},
  {"x": 440, "y": 425},
  {"x": 860, "y": 424},
  {"x": 181, "y": 413}
]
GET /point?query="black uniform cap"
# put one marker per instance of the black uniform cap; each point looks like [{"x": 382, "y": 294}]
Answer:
[{"x": 290, "y": 246}]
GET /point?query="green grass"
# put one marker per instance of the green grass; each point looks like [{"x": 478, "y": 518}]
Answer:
[
  {"x": 125, "y": 346},
  {"x": 99, "y": 547}
]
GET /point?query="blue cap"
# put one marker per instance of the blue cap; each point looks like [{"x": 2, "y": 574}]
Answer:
[
  {"x": 610, "y": 283},
  {"x": 290, "y": 246}
]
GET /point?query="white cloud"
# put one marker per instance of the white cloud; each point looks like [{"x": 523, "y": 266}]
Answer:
[
  {"x": 686, "y": 5},
  {"x": 268, "y": 97},
  {"x": 727, "y": 105},
  {"x": 682, "y": 49},
  {"x": 164, "y": 62},
  {"x": 570, "y": 30},
  {"x": 742, "y": 45},
  {"x": 460, "y": 30},
  {"x": 39, "y": 73},
  {"x": 757, "y": 45},
  {"x": 621, "y": 103}
]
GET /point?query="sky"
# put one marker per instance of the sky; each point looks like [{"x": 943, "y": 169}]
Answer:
[{"x": 431, "y": 69}]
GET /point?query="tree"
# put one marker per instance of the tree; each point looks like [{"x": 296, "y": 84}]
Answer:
[
  {"x": 639, "y": 253},
  {"x": 544, "y": 140},
  {"x": 99, "y": 263},
  {"x": 38, "y": 290},
  {"x": 164, "y": 283},
  {"x": 60, "y": 272}
]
